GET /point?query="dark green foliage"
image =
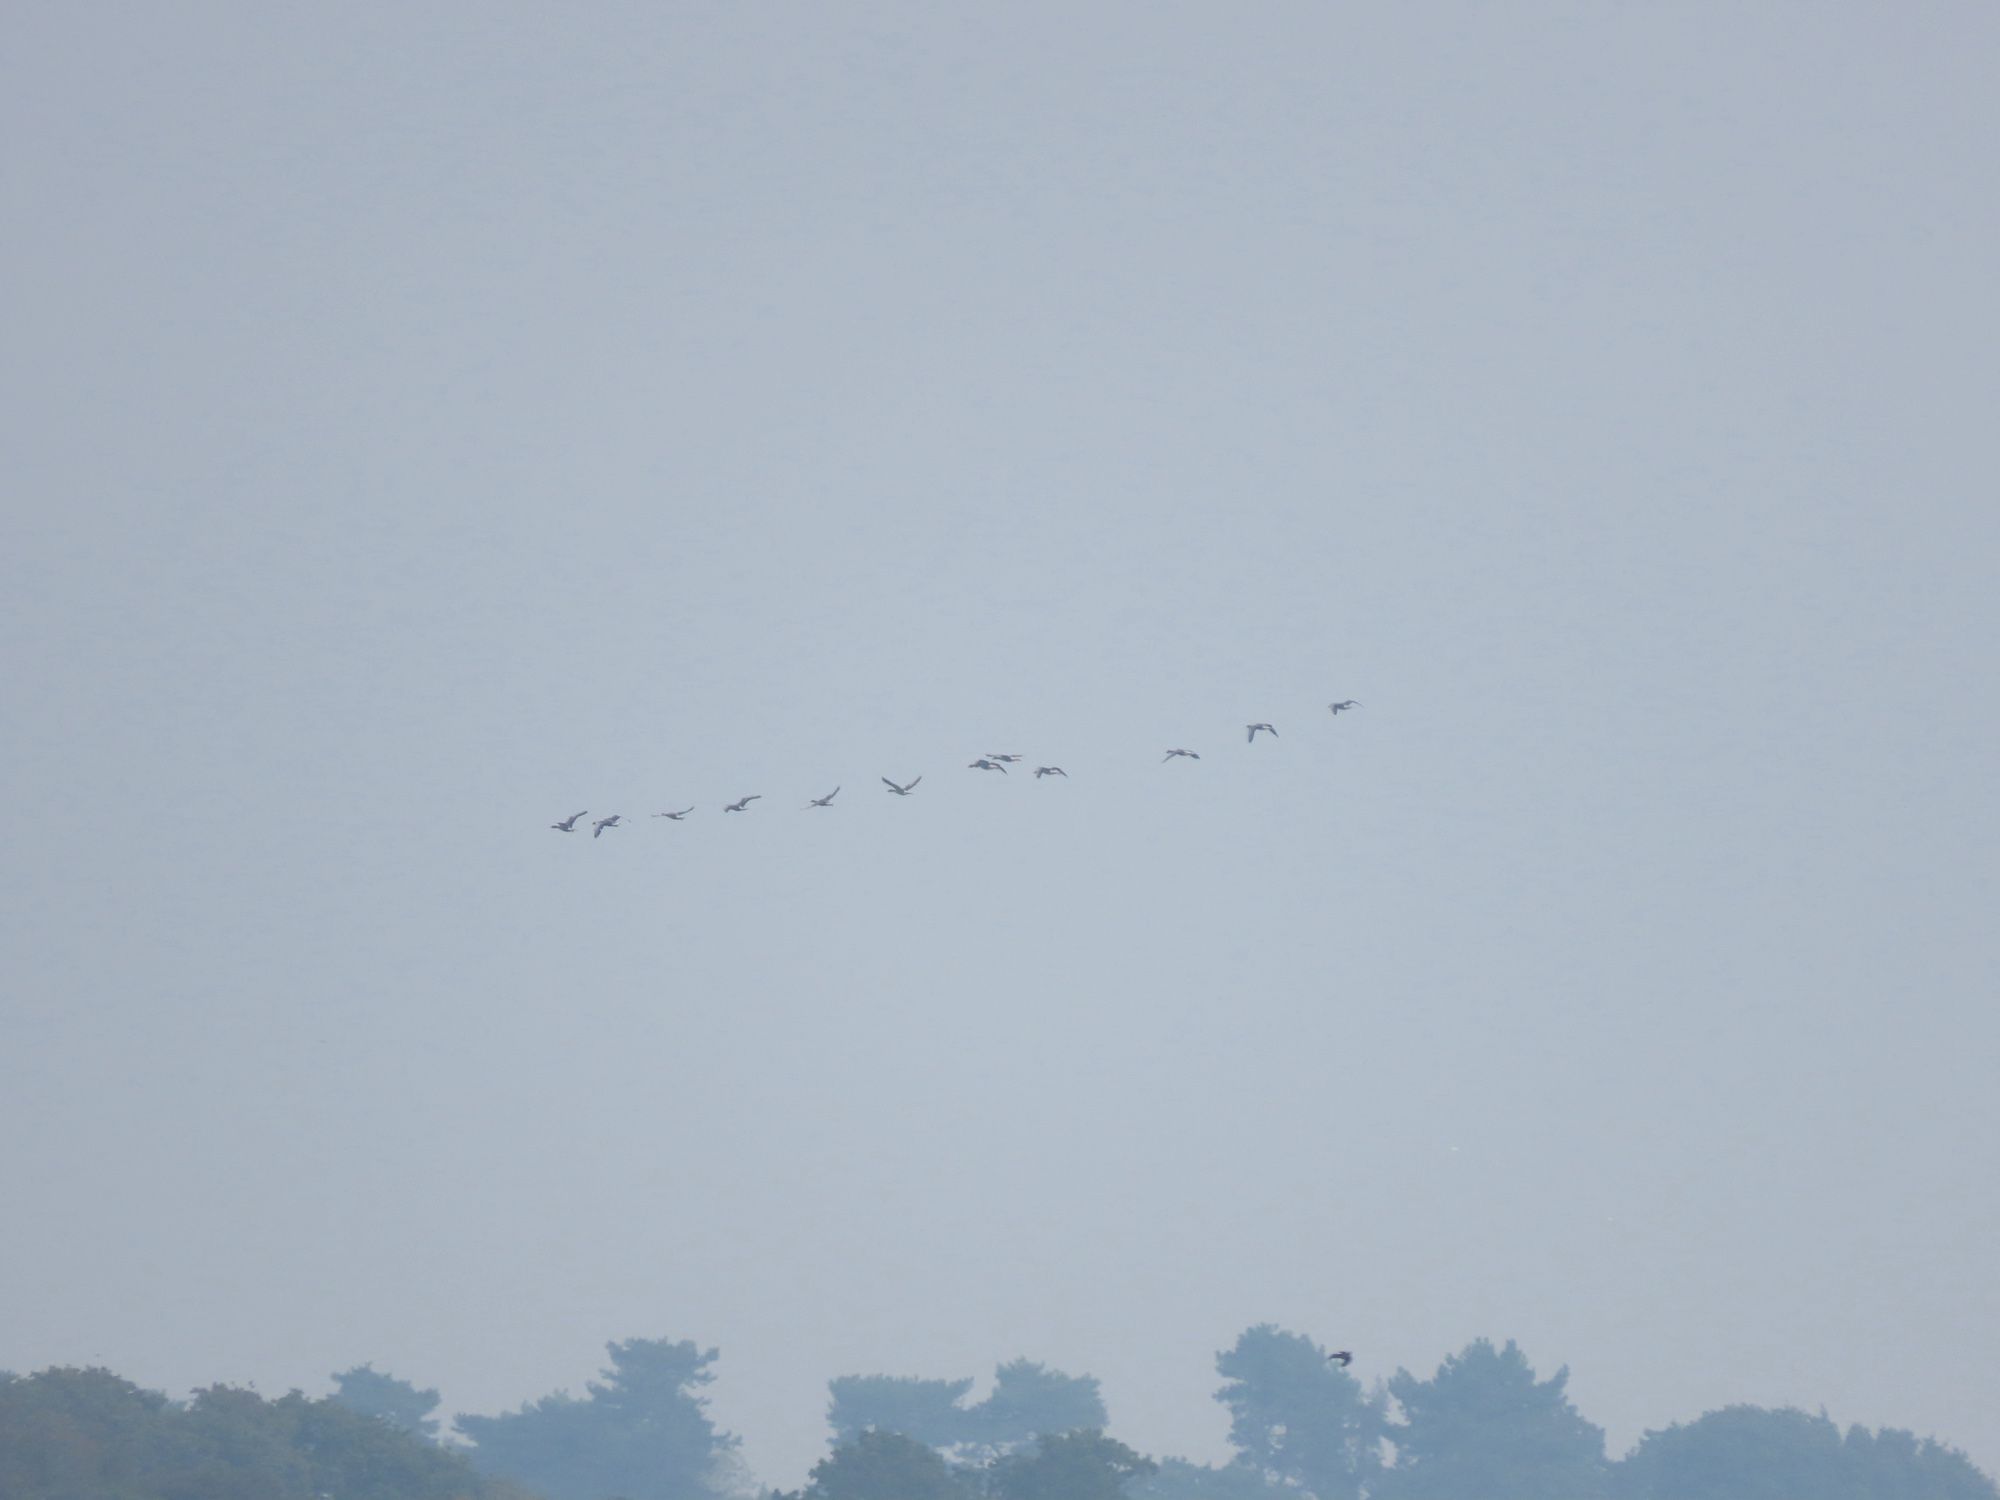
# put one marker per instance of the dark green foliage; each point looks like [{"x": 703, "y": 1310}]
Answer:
[
  {"x": 368, "y": 1391},
  {"x": 1298, "y": 1419},
  {"x": 1483, "y": 1428},
  {"x": 88, "y": 1435},
  {"x": 80, "y": 1433},
  {"x": 235, "y": 1444},
  {"x": 1084, "y": 1465},
  {"x": 885, "y": 1466},
  {"x": 927, "y": 1410},
  {"x": 642, "y": 1433},
  {"x": 1751, "y": 1453}
]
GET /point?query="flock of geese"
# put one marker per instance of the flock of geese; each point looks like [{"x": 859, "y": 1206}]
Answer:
[{"x": 992, "y": 761}]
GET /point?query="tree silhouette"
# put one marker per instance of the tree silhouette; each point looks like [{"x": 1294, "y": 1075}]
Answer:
[
  {"x": 1298, "y": 1419},
  {"x": 374, "y": 1394},
  {"x": 1031, "y": 1401},
  {"x": 1483, "y": 1428},
  {"x": 926, "y": 1410},
  {"x": 1178, "y": 1479},
  {"x": 643, "y": 1432},
  {"x": 1028, "y": 1401},
  {"x": 1751, "y": 1453},
  {"x": 885, "y": 1466},
  {"x": 1083, "y": 1465},
  {"x": 88, "y": 1435}
]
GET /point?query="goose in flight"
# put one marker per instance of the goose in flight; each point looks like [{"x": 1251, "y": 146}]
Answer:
[
  {"x": 1255, "y": 727},
  {"x": 597, "y": 828},
  {"x": 1343, "y": 1356},
  {"x": 990, "y": 755},
  {"x": 1041, "y": 771},
  {"x": 1172, "y": 753},
  {"x": 1344, "y": 703},
  {"x": 742, "y": 802},
  {"x": 987, "y": 763},
  {"x": 568, "y": 824},
  {"x": 826, "y": 801},
  {"x": 675, "y": 816},
  {"x": 900, "y": 791}
]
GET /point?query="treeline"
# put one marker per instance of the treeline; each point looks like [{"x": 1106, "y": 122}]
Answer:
[
  {"x": 69, "y": 1434},
  {"x": 1482, "y": 1427}
]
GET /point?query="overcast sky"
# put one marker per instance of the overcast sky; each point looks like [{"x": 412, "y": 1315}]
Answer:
[{"x": 422, "y": 422}]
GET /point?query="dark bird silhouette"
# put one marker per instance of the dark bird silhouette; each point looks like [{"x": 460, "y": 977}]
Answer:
[
  {"x": 675, "y": 816},
  {"x": 900, "y": 791},
  {"x": 1041, "y": 771},
  {"x": 987, "y": 763},
  {"x": 1172, "y": 753},
  {"x": 597, "y": 828},
  {"x": 1255, "y": 727},
  {"x": 990, "y": 755},
  {"x": 826, "y": 801},
  {"x": 743, "y": 802},
  {"x": 1345, "y": 703},
  {"x": 568, "y": 824},
  {"x": 1343, "y": 1356}
]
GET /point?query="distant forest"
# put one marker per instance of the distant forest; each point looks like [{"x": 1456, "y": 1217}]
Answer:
[{"x": 1483, "y": 1427}]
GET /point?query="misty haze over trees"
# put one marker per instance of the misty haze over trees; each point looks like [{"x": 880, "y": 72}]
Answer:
[{"x": 1481, "y": 1427}]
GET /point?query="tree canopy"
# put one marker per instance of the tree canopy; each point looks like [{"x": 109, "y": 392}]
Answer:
[
  {"x": 1484, "y": 1426},
  {"x": 1082, "y": 1465},
  {"x": 374, "y": 1394},
  {"x": 1028, "y": 1400},
  {"x": 1297, "y": 1418},
  {"x": 641, "y": 1433},
  {"x": 1753, "y": 1453},
  {"x": 927, "y": 1410},
  {"x": 1178, "y": 1479},
  {"x": 86, "y": 1434},
  {"x": 1031, "y": 1401},
  {"x": 878, "y": 1465}
]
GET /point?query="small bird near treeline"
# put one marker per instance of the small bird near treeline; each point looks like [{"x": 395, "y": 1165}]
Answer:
[{"x": 1342, "y": 1358}]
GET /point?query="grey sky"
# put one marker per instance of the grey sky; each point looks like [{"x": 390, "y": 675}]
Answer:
[{"x": 420, "y": 428}]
